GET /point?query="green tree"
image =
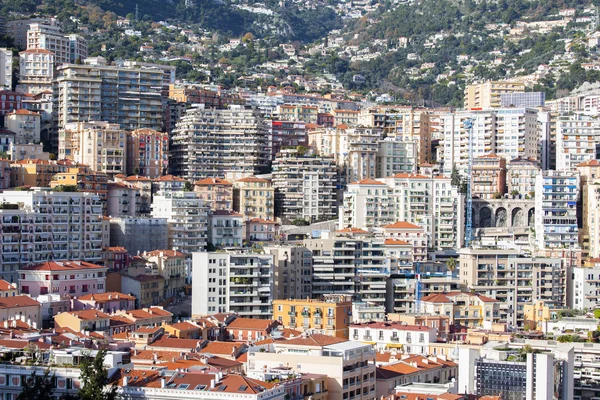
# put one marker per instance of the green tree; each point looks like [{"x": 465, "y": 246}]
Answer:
[
  {"x": 455, "y": 176},
  {"x": 94, "y": 379},
  {"x": 39, "y": 387},
  {"x": 451, "y": 264}
]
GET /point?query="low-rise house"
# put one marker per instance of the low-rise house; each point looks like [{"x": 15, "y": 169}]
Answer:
[
  {"x": 75, "y": 278},
  {"x": 261, "y": 230},
  {"x": 22, "y": 308},
  {"x": 166, "y": 343},
  {"x": 147, "y": 289},
  {"x": 229, "y": 350},
  {"x": 414, "y": 369},
  {"x": 249, "y": 329},
  {"x": 91, "y": 320},
  {"x": 108, "y": 302},
  {"x": 152, "y": 316},
  {"x": 8, "y": 289},
  {"x": 170, "y": 264},
  {"x": 183, "y": 330},
  {"x": 411, "y": 339},
  {"x": 465, "y": 308}
]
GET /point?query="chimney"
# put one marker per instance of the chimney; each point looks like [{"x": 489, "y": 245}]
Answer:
[
  {"x": 212, "y": 383},
  {"x": 135, "y": 352},
  {"x": 125, "y": 380},
  {"x": 154, "y": 357},
  {"x": 163, "y": 383}
]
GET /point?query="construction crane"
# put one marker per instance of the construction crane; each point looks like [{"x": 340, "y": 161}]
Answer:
[
  {"x": 468, "y": 125},
  {"x": 418, "y": 288}
]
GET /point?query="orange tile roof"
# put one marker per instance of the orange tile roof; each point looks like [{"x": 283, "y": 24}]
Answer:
[
  {"x": 137, "y": 178},
  {"x": 404, "y": 175},
  {"x": 62, "y": 266},
  {"x": 170, "y": 178},
  {"x": 342, "y": 126},
  {"x": 402, "y": 225},
  {"x": 89, "y": 315},
  {"x": 252, "y": 179},
  {"x": 152, "y": 312},
  {"x": 252, "y": 324},
  {"x": 107, "y": 296},
  {"x": 213, "y": 181},
  {"x": 395, "y": 242},
  {"x": 148, "y": 329},
  {"x": 289, "y": 333},
  {"x": 243, "y": 358},
  {"x": 368, "y": 181},
  {"x": 223, "y": 348},
  {"x": 36, "y": 51},
  {"x": 165, "y": 253},
  {"x": 352, "y": 230},
  {"x": 23, "y": 112},
  {"x": 391, "y": 325},
  {"x": 262, "y": 221},
  {"x": 161, "y": 356},
  {"x": 5, "y": 285},
  {"x": 436, "y": 298},
  {"x": 175, "y": 343},
  {"x": 185, "y": 326},
  {"x": 589, "y": 163},
  {"x": 315, "y": 340},
  {"x": 17, "y": 301}
]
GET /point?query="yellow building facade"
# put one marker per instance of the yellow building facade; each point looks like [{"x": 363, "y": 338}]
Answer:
[{"x": 328, "y": 317}]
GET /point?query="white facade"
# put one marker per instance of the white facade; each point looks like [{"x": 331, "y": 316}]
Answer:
[
  {"x": 187, "y": 220},
  {"x": 5, "y": 69},
  {"x": 55, "y": 226},
  {"x": 36, "y": 71},
  {"x": 583, "y": 288},
  {"x": 99, "y": 144},
  {"x": 411, "y": 338},
  {"x": 576, "y": 140},
  {"x": 226, "y": 229},
  {"x": 556, "y": 199},
  {"x": 232, "y": 282},
  {"x": 66, "y": 48},
  {"x": 26, "y": 125},
  {"x": 366, "y": 205},
  {"x": 396, "y": 156},
  {"x": 506, "y": 132}
]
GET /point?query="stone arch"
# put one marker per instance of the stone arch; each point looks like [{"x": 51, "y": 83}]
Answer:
[
  {"x": 501, "y": 217},
  {"x": 485, "y": 217},
  {"x": 518, "y": 217},
  {"x": 531, "y": 216}
]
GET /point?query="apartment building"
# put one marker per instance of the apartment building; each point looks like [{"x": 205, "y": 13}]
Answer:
[
  {"x": 292, "y": 271},
  {"x": 214, "y": 142},
  {"x": 193, "y": 95},
  {"x": 330, "y": 316},
  {"x": 367, "y": 204},
  {"x": 125, "y": 96},
  {"x": 225, "y": 229},
  {"x": 217, "y": 193},
  {"x": 514, "y": 279},
  {"x": 521, "y": 174},
  {"x": 429, "y": 202},
  {"x": 187, "y": 220},
  {"x": 349, "y": 366},
  {"x": 411, "y": 233},
  {"x": 305, "y": 187},
  {"x": 489, "y": 94},
  {"x": 147, "y": 153},
  {"x": 254, "y": 198},
  {"x": 231, "y": 281},
  {"x": 405, "y": 124},
  {"x": 288, "y": 134},
  {"x": 488, "y": 178},
  {"x": 304, "y": 113},
  {"x": 41, "y": 225},
  {"x": 170, "y": 264},
  {"x": 589, "y": 237},
  {"x": 395, "y": 156},
  {"x": 557, "y": 194},
  {"x": 124, "y": 232},
  {"x": 85, "y": 180},
  {"x": 122, "y": 200},
  {"x": 74, "y": 278},
  {"x": 100, "y": 144},
  {"x": 526, "y": 99},
  {"x": 508, "y": 132},
  {"x": 34, "y": 172},
  {"x": 25, "y": 124},
  {"x": 351, "y": 265},
  {"x": 402, "y": 290},
  {"x": 66, "y": 48},
  {"x": 36, "y": 71},
  {"x": 6, "y": 75},
  {"x": 411, "y": 339},
  {"x": 472, "y": 310},
  {"x": 576, "y": 139}
]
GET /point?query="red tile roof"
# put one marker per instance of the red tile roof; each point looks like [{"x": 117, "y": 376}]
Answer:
[
  {"x": 62, "y": 266},
  {"x": 315, "y": 340},
  {"x": 36, "y": 51},
  {"x": 17, "y": 301},
  {"x": 402, "y": 225},
  {"x": 170, "y": 178},
  {"x": 213, "y": 181},
  {"x": 409, "y": 176},
  {"x": 368, "y": 181},
  {"x": 352, "y": 230},
  {"x": 252, "y": 179},
  {"x": 89, "y": 315},
  {"x": 107, "y": 296},
  {"x": 175, "y": 343},
  {"x": 395, "y": 242},
  {"x": 164, "y": 253},
  {"x": 4, "y": 285},
  {"x": 252, "y": 324},
  {"x": 391, "y": 325},
  {"x": 222, "y": 348}
]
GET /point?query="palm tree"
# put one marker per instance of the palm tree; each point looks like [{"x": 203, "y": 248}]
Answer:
[{"x": 451, "y": 264}]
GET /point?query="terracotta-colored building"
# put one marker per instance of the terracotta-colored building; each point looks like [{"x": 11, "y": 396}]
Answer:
[
  {"x": 147, "y": 153},
  {"x": 250, "y": 329},
  {"x": 216, "y": 192}
]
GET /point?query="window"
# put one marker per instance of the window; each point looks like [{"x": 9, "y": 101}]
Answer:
[{"x": 25, "y": 289}]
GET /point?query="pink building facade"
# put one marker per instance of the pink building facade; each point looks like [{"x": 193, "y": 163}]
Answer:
[{"x": 73, "y": 278}]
